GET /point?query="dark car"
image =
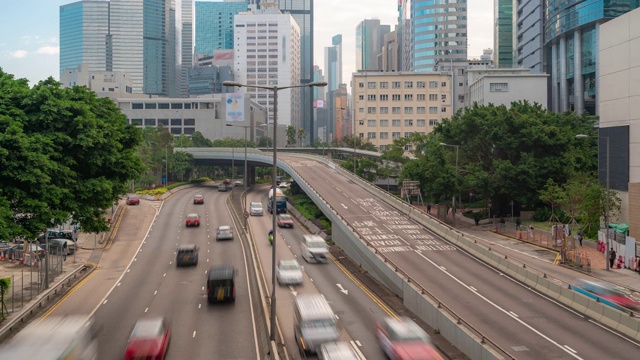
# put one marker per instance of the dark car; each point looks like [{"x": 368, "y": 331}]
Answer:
[
  {"x": 220, "y": 284},
  {"x": 55, "y": 234},
  {"x": 198, "y": 199},
  {"x": 284, "y": 221},
  {"x": 133, "y": 200},
  {"x": 193, "y": 220},
  {"x": 17, "y": 251},
  {"x": 149, "y": 339},
  {"x": 187, "y": 255}
]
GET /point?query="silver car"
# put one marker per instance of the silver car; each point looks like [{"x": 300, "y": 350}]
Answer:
[
  {"x": 289, "y": 273},
  {"x": 255, "y": 209},
  {"x": 224, "y": 232}
]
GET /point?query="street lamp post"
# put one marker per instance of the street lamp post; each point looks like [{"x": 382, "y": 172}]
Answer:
[
  {"x": 274, "y": 185},
  {"x": 166, "y": 168},
  {"x": 245, "y": 177},
  {"x": 606, "y": 209},
  {"x": 457, "y": 174}
]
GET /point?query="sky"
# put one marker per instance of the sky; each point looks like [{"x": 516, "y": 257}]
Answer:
[{"x": 29, "y": 32}]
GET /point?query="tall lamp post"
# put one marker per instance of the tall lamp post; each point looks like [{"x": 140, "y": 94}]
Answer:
[
  {"x": 246, "y": 176},
  {"x": 457, "y": 175},
  {"x": 606, "y": 209},
  {"x": 275, "y": 89}
]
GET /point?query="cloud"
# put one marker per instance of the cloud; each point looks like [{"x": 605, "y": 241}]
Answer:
[
  {"x": 49, "y": 50},
  {"x": 18, "y": 54}
]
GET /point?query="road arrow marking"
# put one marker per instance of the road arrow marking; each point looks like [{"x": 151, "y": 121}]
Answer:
[
  {"x": 346, "y": 292},
  {"x": 344, "y": 206},
  {"x": 293, "y": 292}
]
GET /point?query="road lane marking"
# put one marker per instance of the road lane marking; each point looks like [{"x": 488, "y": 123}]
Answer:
[
  {"x": 194, "y": 333},
  {"x": 199, "y": 306},
  {"x": 118, "y": 284},
  {"x": 497, "y": 307},
  {"x": 68, "y": 294},
  {"x": 165, "y": 274},
  {"x": 147, "y": 309},
  {"x": 155, "y": 292},
  {"x": 105, "y": 301},
  {"x": 570, "y": 349}
]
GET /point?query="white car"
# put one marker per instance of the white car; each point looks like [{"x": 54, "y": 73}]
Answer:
[
  {"x": 289, "y": 273},
  {"x": 255, "y": 209}
]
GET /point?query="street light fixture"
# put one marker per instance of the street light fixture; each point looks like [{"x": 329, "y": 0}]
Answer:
[
  {"x": 275, "y": 89},
  {"x": 606, "y": 210},
  {"x": 457, "y": 175},
  {"x": 246, "y": 177}
]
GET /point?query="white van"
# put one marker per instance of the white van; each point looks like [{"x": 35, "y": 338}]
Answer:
[
  {"x": 338, "y": 350},
  {"x": 314, "y": 323},
  {"x": 314, "y": 249}
]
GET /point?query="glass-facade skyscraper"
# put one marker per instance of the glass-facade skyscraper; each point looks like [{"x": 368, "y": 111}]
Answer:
[
  {"x": 438, "y": 32},
  {"x": 529, "y": 40},
  {"x": 214, "y": 25},
  {"x": 369, "y": 42},
  {"x": 503, "y": 33}
]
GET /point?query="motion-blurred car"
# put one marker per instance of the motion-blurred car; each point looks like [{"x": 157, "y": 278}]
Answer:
[
  {"x": 612, "y": 295},
  {"x": 289, "y": 273},
  {"x": 56, "y": 246},
  {"x": 149, "y": 339},
  {"x": 283, "y": 185},
  {"x": 187, "y": 255},
  {"x": 341, "y": 350},
  {"x": 193, "y": 220},
  {"x": 237, "y": 183},
  {"x": 402, "y": 339},
  {"x": 255, "y": 209},
  {"x": 133, "y": 200},
  {"x": 198, "y": 199},
  {"x": 284, "y": 221},
  {"x": 224, "y": 232}
]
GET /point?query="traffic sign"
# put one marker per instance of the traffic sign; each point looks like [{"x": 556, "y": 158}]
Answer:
[{"x": 246, "y": 215}]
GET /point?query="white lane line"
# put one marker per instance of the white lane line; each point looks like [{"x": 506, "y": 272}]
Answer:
[
  {"x": 127, "y": 271},
  {"x": 194, "y": 333},
  {"x": 135, "y": 259},
  {"x": 503, "y": 310},
  {"x": 147, "y": 309},
  {"x": 199, "y": 306},
  {"x": 615, "y": 333},
  {"x": 570, "y": 349},
  {"x": 165, "y": 274},
  {"x": 104, "y": 302},
  {"x": 155, "y": 292},
  {"x": 472, "y": 288},
  {"x": 356, "y": 349},
  {"x": 118, "y": 284},
  {"x": 514, "y": 314}
]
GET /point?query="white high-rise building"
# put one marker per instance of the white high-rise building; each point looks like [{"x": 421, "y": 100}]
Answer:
[{"x": 267, "y": 53}]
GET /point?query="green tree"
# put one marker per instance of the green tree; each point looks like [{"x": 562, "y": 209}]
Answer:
[
  {"x": 555, "y": 196},
  {"x": 182, "y": 141},
  {"x": 291, "y": 135},
  {"x": 198, "y": 140},
  {"x": 182, "y": 165},
  {"x": 301, "y": 134}
]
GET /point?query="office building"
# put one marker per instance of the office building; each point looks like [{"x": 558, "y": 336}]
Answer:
[
  {"x": 571, "y": 36},
  {"x": 389, "y": 106},
  {"x": 208, "y": 80},
  {"x": 84, "y": 36},
  {"x": 369, "y": 41},
  {"x": 214, "y": 25},
  {"x": 269, "y": 62},
  {"x": 619, "y": 124},
  {"x": 439, "y": 32},
  {"x": 389, "y": 60},
  {"x": 504, "y": 86},
  {"x": 503, "y": 33},
  {"x": 528, "y": 32},
  {"x": 111, "y": 84}
]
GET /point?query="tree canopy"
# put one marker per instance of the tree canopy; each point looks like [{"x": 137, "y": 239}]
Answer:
[{"x": 65, "y": 154}]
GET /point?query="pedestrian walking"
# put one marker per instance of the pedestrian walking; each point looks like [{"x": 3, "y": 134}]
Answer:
[
  {"x": 429, "y": 209},
  {"x": 580, "y": 236},
  {"x": 518, "y": 223},
  {"x": 612, "y": 257},
  {"x": 476, "y": 218},
  {"x": 531, "y": 232},
  {"x": 64, "y": 251}
]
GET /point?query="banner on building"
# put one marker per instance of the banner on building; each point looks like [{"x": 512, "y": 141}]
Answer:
[
  {"x": 319, "y": 104},
  {"x": 235, "y": 107}
]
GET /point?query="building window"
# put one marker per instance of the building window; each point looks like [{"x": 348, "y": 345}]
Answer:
[
  {"x": 433, "y": 84},
  {"x": 176, "y": 105},
  {"x": 150, "y": 106},
  {"x": 443, "y": 97},
  {"x": 420, "y": 97},
  {"x": 421, "y": 122},
  {"x": 137, "y": 106},
  {"x": 371, "y": 123},
  {"x": 163, "y": 122},
  {"x": 460, "y": 97},
  {"x": 176, "y": 131},
  {"x": 407, "y": 134},
  {"x": 395, "y": 110},
  {"x": 433, "y": 110},
  {"x": 421, "y": 110},
  {"x": 395, "y": 97},
  {"x": 371, "y": 97},
  {"x": 497, "y": 87},
  {"x": 460, "y": 71},
  {"x": 371, "y": 135},
  {"x": 408, "y": 97},
  {"x": 361, "y": 110},
  {"x": 408, "y": 122},
  {"x": 384, "y": 110},
  {"x": 433, "y": 122},
  {"x": 189, "y": 122},
  {"x": 395, "y": 122},
  {"x": 383, "y": 147},
  {"x": 384, "y": 135},
  {"x": 189, "y": 131},
  {"x": 408, "y": 84},
  {"x": 384, "y": 85},
  {"x": 360, "y": 97},
  {"x": 384, "y": 123},
  {"x": 433, "y": 97},
  {"x": 163, "y": 106},
  {"x": 176, "y": 122},
  {"x": 384, "y": 97},
  {"x": 421, "y": 84},
  {"x": 361, "y": 122},
  {"x": 408, "y": 110},
  {"x": 361, "y": 85},
  {"x": 444, "y": 109},
  {"x": 395, "y": 84},
  {"x": 395, "y": 135},
  {"x": 371, "y": 85},
  {"x": 371, "y": 110},
  {"x": 149, "y": 122}
]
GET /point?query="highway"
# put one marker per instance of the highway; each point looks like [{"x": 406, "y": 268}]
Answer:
[{"x": 525, "y": 323}]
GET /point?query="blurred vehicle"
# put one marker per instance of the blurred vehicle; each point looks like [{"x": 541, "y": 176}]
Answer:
[
  {"x": 402, "y": 339},
  {"x": 133, "y": 200},
  {"x": 187, "y": 255},
  {"x": 283, "y": 185},
  {"x": 609, "y": 294},
  {"x": 56, "y": 246},
  {"x": 284, "y": 221},
  {"x": 193, "y": 220},
  {"x": 237, "y": 183},
  {"x": 16, "y": 251},
  {"x": 224, "y": 232},
  {"x": 314, "y": 249},
  {"x": 289, "y": 273},
  {"x": 198, "y": 199},
  {"x": 314, "y": 323},
  {"x": 224, "y": 185},
  {"x": 220, "y": 284},
  {"x": 281, "y": 201},
  {"x": 255, "y": 208},
  {"x": 149, "y": 339},
  {"x": 69, "y": 337},
  {"x": 338, "y": 350}
]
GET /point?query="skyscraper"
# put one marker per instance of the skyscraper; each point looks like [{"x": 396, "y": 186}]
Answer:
[
  {"x": 529, "y": 51},
  {"x": 439, "y": 32},
  {"x": 369, "y": 42},
  {"x": 214, "y": 25},
  {"x": 503, "y": 33},
  {"x": 84, "y": 31},
  {"x": 333, "y": 65}
]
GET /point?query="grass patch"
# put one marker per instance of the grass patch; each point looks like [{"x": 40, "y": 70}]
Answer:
[{"x": 309, "y": 210}]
